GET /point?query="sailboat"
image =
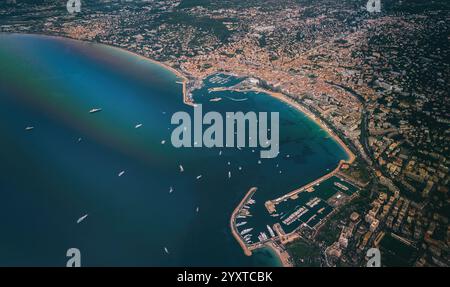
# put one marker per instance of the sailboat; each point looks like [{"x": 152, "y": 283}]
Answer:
[
  {"x": 82, "y": 218},
  {"x": 92, "y": 111}
]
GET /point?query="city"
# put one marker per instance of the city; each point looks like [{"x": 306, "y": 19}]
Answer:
[{"x": 378, "y": 81}]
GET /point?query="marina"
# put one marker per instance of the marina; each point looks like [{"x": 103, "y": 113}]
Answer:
[{"x": 137, "y": 91}]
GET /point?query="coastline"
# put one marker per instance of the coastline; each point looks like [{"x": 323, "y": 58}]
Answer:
[
  {"x": 283, "y": 256},
  {"x": 184, "y": 80}
]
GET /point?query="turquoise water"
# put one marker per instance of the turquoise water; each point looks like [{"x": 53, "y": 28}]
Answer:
[{"x": 68, "y": 165}]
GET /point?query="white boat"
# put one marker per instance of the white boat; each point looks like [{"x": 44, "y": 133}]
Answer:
[
  {"x": 138, "y": 126},
  {"x": 229, "y": 174},
  {"x": 92, "y": 111},
  {"x": 181, "y": 168},
  {"x": 121, "y": 173},
  {"x": 215, "y": 99},
  {"x": 245, "y": 231},
  {"x": 341, "y": 186},
  {"x": 29, "y": 128},
  {"x": 241, "y": 223},
  {"x": 171, "y": 190},
  {"x": 272, "y": 234},
  {"x": 166, "y": 250},
  {"x": 197, "y": 209},
  {"x": 79, "y": 140},
  {"x": 220, "y": 152},
  {"x": 82, "y": 218},
  {"x": 163, "y": 142},
  {"x": 199, "y": 176}
]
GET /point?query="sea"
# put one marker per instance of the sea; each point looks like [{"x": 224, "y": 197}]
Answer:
[{"x": 60, "y": 162}]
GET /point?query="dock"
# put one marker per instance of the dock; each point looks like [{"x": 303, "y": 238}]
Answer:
[{"x": 234, "y": 230}]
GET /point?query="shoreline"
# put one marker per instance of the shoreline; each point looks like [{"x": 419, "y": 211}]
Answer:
[
  {"x": 283, "y": 256},
  {"x": 177, "y": 73}
]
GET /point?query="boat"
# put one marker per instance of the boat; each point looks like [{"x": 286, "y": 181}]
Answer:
[
  {"x": 341, "y": 186},
  {"x": 215, "y": 99},
  {"x": 220, "y": 152},
  {"x": 245, "y": 231},
  {"x": 181, "y": 168},
  {"x": 237, "y": 100},
  {"x": 79, "y": 140},
  {"x": 229, "y": 174},
  {"x": 138, "y": 126},
  {"x": 197, "y": 209},
  {"x": 313, "y": 202},
  {"x": 272, "y": 234},
  {"x": 262, "y": 236},
  {"x": 121, "y": 173},
  {"x": 199, "y": 176},
  {"x": 241, "y": 223},
  {"x": 92, "y": 111},
  {"x": 163, "y": 142},
  {"x": 29, "y": 128},
  {"x": 166, "y": 250},
  {"x": 82, "y": 218},
  {"x": 171, "y": 190},
  {"x": 294, "y": 216}
]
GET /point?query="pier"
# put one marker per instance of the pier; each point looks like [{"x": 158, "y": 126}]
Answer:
[{"x": 234, "y": 230}]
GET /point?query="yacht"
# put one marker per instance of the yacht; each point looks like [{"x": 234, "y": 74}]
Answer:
[
  {"x": 92, "y": 111},
  {"x": 82, "y": 218}
]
